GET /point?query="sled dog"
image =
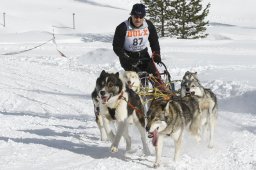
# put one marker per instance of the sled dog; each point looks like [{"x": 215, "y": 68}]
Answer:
[
  {"x": 188, "y": 76},
  {"x": 102, "y": 122},
  {"x": 171, "y": 118},
  {"x": 207, "y": 101},
  {"x": 123, "y": 105},
  {"x": 132, "y": 80}
]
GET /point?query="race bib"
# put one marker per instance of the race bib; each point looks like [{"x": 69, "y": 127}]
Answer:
[{"x": 136, "y": 39}]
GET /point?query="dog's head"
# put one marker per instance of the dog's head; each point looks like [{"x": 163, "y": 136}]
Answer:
[
  {"x": 100, "y": 85},
  {"x": 190, "y": 76},
  {"x": 156, "y": 119},
  {"x": 101, "y": 81},
  {"x": 112, "y": 87},
  {"x": 191, "y": 88},
  {"x": 190, "y": 84},
  {"x": 132, "y": 80}
]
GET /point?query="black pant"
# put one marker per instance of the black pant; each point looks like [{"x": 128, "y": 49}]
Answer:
[
  {"x": 141, "y": 62},
  {"x": 138, "y": 62}
]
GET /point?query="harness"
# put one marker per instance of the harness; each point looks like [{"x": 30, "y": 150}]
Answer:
[
  {"x": 129, "y": 104},
  {"x": 121, "y": 97}
]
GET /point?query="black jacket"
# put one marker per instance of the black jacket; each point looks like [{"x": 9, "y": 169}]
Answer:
[{"x": 119, "y": 38}]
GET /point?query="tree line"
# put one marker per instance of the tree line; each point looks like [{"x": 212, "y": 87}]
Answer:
[{"x": 183, "y": 19}]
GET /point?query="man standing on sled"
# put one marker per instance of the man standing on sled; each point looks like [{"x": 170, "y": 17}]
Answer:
[{"x": 131, "y": 39}]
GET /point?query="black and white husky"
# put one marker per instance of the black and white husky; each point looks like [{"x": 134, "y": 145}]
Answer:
[
  {"x": 207, "y": 101},
  {"x": 121, "y": 104},
  {"x": 103, "y": 123}
]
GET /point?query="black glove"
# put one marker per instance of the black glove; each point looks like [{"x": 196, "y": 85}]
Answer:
[
  {"x": 130, "y": 60},
  {"x": 125, "y": 57},
  {"x": 157, "y": 58}
]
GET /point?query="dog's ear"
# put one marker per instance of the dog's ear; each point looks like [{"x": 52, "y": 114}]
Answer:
[
  {"x": 163, "y": 104},
  {"x": 103, "y": 72},
  {"x": 166, "y": 109},
  {"x": 195, "y": 75},
  {"x": 117, "y": 74}
]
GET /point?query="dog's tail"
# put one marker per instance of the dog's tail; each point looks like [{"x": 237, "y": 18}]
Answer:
[
  {"x": 215, "y": 107},
  {"x": 215, "y": 110}
]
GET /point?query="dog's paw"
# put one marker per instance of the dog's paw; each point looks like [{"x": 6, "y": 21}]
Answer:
[
  {"x": 104, "y": 138},
  {"x": 131, "y": 150},
  {"x": 198, "y": 138},
  {"x": 210, "y": 146},
  {"x": 146, "y": 152},
  {"x": 111, "y": 136},
  {"x": 156, "y": 165},
  {"x": 114, "y": 149}
]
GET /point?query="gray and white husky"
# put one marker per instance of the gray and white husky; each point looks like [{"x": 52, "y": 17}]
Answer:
[
  {"x": 207, "y": 102},
  {"x": 171, "y": 118},
  {"x": 124, "y": 106}
]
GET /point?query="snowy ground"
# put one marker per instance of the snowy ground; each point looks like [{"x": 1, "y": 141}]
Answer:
[{"x": 47, "y": 119}]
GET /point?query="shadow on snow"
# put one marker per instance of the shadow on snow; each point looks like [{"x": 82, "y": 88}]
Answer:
[
  {"x": 47, "y": 116},
  {"x": 241, "y": 104},
  {"x": 92, "y": 150}
]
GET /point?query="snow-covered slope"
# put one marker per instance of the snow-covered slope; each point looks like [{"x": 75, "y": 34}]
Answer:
[{"x": 233, "y": 12}]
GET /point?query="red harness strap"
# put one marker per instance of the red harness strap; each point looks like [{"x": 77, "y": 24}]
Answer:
[
  {"x": 129, "y": 104},
  {"x": 135, "y": 108}
]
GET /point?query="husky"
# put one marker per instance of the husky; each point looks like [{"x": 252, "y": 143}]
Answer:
[
  {"x": 103, "y": 122},
  {"x": 207, "y": 102},
  {"x": 188, "y": 76},
  {"x": 171, "y": 118},
  {"x": 132, "y": 80},
  {"x": 124, "y": 106}
]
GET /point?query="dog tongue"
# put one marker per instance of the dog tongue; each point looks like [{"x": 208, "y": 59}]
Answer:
[
  {"x": 155, "y": 137},
  {"x": 104, "y": 99}
]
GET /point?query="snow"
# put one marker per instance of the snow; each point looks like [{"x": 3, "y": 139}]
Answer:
[
  {"x": 233, "y": 12},
  {"x": 47, "y": 119}
]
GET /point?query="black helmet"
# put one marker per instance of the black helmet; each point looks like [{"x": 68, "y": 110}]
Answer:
[{"x": 138, "y": 10}]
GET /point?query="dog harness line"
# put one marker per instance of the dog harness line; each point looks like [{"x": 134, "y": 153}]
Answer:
[{"x": 129, "y": 104}]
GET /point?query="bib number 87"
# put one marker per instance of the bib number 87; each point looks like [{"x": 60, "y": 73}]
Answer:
[{"x": 137, "y": 41}]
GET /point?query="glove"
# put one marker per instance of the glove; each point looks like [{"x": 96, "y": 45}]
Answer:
[
  {"x": 156, "y": 58},
  {"x": 129, "y": 60},
  {"x": 125, "y": 57}
]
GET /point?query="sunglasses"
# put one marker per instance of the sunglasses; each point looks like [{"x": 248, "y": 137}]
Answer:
[{"x": 137, "y": 17}]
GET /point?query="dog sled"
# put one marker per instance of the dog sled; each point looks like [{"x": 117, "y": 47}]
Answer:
[{"x": 155, "y": 86}]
